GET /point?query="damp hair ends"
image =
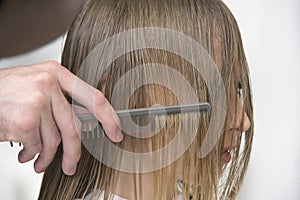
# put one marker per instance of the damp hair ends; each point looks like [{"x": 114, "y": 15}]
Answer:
[{"x": 209, "y": 23}]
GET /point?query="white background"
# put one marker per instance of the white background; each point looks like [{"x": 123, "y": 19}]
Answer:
[{"x": 271, "y": 34}]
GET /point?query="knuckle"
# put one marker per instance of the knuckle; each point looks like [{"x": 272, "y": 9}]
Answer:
[
  {"x": 45, "y": 80},
  {"x": 37, "y": 100},
  {"x": 54, "y": 143},
  {"x": 52, "y": 65},
  {"x": 78, "y": 126},
  {"x": 100, "y": 100},
  {"x": 36, "y": 148},
  {"x": 74, "y": 156},
  {"x": 28, "y": 115},
  {"x": 25, "y": 124},
  {"x": 72, "y": 133},
  {"x": 57, "y": 140},
  {"x": 39, "y": 147}
]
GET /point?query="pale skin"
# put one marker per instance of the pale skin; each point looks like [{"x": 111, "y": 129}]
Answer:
[
  {"x": 35, "y": 112},
  {"x": 233, "y": 129}
]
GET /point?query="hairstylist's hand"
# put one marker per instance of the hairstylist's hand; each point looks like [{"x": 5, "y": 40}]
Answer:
[{"x": 35, "y": 112}]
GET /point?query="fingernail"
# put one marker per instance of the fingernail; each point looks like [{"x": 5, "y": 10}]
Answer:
[
  {"x": 119, "y": 136},
  {"x": 71, "y": 171},
  {"x": 38, "y": 169}
]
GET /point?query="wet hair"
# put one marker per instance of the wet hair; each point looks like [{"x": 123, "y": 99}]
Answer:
[{"x": 207, "y": 22}]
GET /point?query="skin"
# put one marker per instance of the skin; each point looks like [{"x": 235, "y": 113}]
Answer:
[
  {"x": 35, "y": 112},
  {"x": 233, "y": 128}
]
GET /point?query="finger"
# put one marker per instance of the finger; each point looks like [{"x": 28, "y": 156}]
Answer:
[
  {"x": 89, "y": 97},
  {"x": 50, "y": 138},
  {"x": 87, "y": 125},
  {"x": 70, "y": 128},
  {"x": 80, "y": 110},
  {"x": 95, "y": 101},
  {"x": 30, "y": 148}
]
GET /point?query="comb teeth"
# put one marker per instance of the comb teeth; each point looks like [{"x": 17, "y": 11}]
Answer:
[{"x": 92, "y": 129}]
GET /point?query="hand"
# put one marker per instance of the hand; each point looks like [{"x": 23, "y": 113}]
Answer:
[{"x": 35, "y": 112}]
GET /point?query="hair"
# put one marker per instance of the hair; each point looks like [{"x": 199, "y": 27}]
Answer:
[{"x": 209, "y": 23}]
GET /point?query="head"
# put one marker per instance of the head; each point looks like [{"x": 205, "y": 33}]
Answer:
[{"x": 209, "y": 23}]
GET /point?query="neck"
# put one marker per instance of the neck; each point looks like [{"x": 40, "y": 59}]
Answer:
[{"x": 128, "y": 185}]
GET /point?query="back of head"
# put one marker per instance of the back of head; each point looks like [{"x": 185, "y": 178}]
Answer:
[{"x": 141, "y": 53}]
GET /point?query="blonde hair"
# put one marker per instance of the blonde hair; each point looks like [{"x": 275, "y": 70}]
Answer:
[{"x": 209, "y": 23}]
